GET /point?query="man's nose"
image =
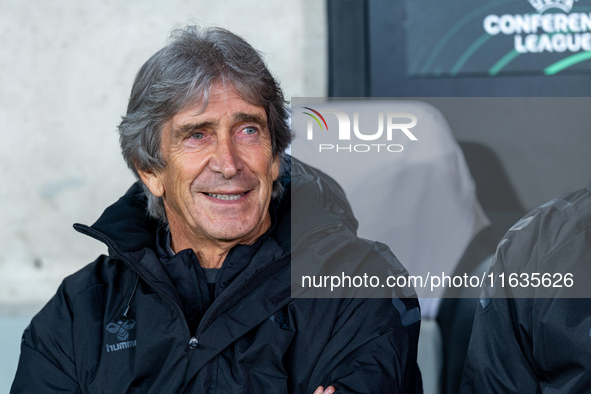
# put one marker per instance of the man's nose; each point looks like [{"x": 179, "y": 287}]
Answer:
[{"x": 225, "y": 160}]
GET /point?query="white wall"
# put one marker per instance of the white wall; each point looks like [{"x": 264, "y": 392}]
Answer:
[{"x": 66, "y": 70}]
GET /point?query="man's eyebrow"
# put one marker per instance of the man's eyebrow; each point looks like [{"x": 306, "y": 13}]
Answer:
[
  {"x": 252, "y": 118},
  {"x": 191, "y": 127}
]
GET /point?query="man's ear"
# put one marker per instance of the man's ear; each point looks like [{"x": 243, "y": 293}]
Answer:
[
  {"x": 152, "y": 180},
  {"x": 276, "y": 167}
]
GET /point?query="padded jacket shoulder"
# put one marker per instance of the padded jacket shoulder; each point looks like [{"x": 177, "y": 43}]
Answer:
[{"x": 523, "y": 340}]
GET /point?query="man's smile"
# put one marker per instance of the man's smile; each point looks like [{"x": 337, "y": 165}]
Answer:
[{"x": 225, "y": 196}]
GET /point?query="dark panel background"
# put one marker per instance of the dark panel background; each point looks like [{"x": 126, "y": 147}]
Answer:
[{"x": 544, "y": 156}]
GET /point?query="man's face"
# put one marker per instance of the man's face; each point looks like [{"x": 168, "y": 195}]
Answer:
[{"x": 219, "y": 170}]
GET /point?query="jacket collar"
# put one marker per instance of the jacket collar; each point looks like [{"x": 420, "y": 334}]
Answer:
[{"x": 126, "y": 224}]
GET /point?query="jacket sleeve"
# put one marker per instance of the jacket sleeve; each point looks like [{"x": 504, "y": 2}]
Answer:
[
  {"x": 374, "y": 349},
  {"x": 500, "y": 356},
  {"x": 46, "y": 363}
]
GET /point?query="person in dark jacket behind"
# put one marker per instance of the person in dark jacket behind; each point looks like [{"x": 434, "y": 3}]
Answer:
[
  {"x": 530, "y": 336},
  {"x": 195, "y": 295}
]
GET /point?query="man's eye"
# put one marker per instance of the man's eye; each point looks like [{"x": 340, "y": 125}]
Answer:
[
  {"x": 250, "y": 130},
  {"x": 197, "y": 136}
]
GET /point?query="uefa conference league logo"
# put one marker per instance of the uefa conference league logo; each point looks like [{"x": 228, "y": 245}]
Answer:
[
  {"x": 550, "y": 32},
  {"x": 544, "y": 5}
]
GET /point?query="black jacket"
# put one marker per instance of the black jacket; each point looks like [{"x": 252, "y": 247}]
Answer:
[
  {"x": 533, "y": 343},
  {"x": 254, "y": 338}
]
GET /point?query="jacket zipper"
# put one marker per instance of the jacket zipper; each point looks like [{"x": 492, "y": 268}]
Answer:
[
  {"x": 217, "y": 305},
  {"x": 193, "y": 341},
  {"x": 106, "y": 241}
]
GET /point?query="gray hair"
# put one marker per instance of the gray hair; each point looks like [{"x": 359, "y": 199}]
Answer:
[{"x": 180, "y": 75}]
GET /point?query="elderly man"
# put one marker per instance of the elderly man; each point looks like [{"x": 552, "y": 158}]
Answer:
[{"x": 194, "y": 296}]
